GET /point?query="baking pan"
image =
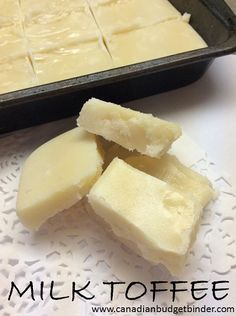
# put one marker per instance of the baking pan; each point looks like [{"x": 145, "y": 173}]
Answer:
[{"x": 212, "y": 19}]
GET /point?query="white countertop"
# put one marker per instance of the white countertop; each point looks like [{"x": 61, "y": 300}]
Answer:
[{"x": 206, "y": 110}]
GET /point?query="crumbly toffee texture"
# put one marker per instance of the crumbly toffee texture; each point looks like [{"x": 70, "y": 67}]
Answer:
[{"x": 73, "y": 247}]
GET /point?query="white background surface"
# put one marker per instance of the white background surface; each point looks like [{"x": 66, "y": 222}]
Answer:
[{"x": 206, "y": 110}]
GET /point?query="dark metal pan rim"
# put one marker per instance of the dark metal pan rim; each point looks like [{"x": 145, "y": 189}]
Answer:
[{"x": 117, "y": 74}]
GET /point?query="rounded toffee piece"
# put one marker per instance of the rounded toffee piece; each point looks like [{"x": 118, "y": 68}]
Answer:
[{"x": 57, "y": 175}]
